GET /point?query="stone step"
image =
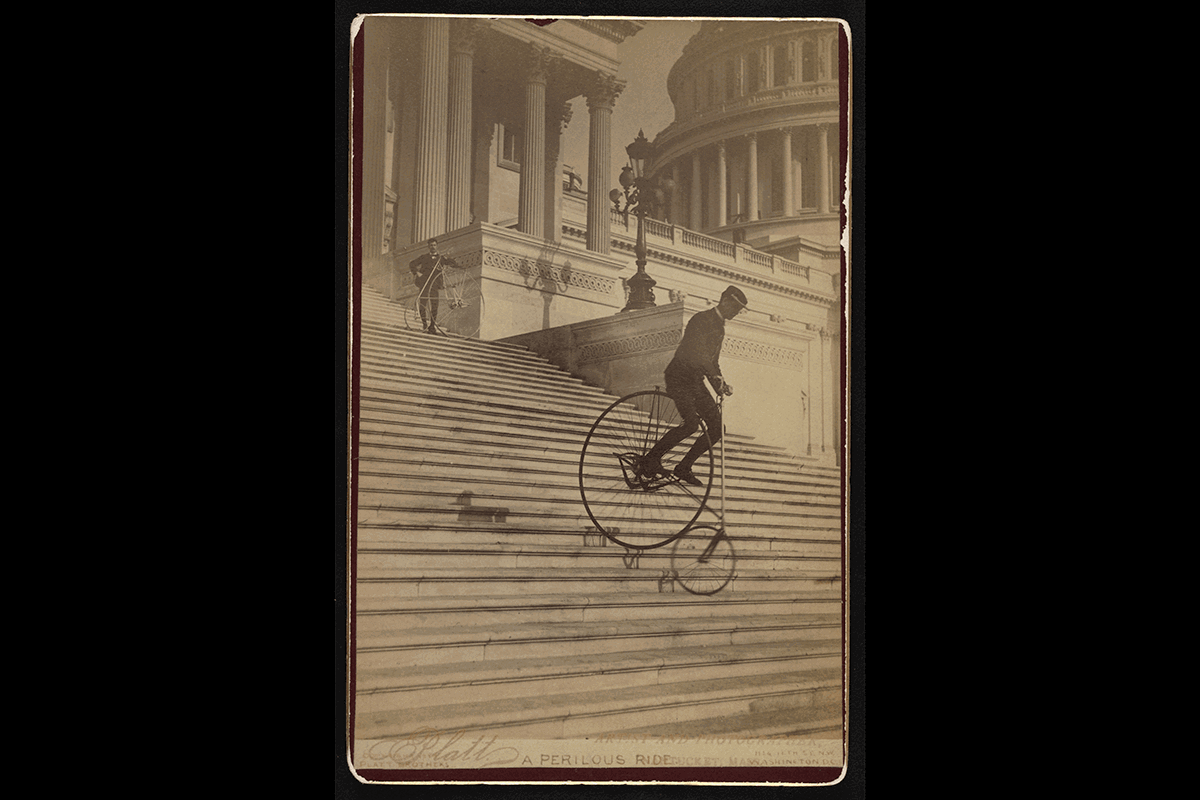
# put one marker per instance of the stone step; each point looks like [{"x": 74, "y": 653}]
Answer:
[
  {"x": 521, "y": 524},
  {"x": 519, "y": 507},
  {"x": 450, "y": 434},
  {"x": 449, "y": 448},
  {"x": 439, "y": 391},
  {"x": 447, "y": 424},
  {"x": 536, "y": 625},
  {"x": 388, "y": 351},
  {"x": 484, "y": 524},
  {"x": 577, "y": 715},
  {"x": 388, "y": 319},
  {"x": 381, "y": 560},
  {"x": 748, "y": 542},
  {"x": 489, "y": 474},
  {"x": 482, "y": 487},
  {"x": 451, "y": 375},
  {"x": 390, "y": 462},
  {"x": 434, "y": 348},
  {"x": 381, "y": 343},
  {"x": 414, "y": 688},
  {"x": 823, "y": 720},
  {"x": 500, "y": 518},
  {"x": 461, "y": 582},
  {"x": 400, "y": 410},
  {"x": 565, "y": 523},
  {"x": 448, "y": 350},
  {"x": 457, "y": 394},
  {"x": 375, "y": 611},
  {"x": 383, "y": 647}
]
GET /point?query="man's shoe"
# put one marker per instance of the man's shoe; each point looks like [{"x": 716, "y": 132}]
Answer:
[
  {"x": 685, "y": 474},
  {"x": 649, "y": 467}
]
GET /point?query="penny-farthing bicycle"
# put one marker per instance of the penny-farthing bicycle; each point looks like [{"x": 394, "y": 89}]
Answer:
[
  {"x": 641, "y": 511},
  {"x": 460, "y": 302}
]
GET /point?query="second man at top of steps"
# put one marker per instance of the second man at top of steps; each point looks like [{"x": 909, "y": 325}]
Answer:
[{"x": 427, "y": 272}]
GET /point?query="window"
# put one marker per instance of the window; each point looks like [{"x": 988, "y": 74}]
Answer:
[
  {"x": 730, "y": 81},
  {"x": 808, "y": 60},
  {"x": 752, "y": 72},
  {"x": 782, "y": 68},
  {"x": 510, "y": 147}
]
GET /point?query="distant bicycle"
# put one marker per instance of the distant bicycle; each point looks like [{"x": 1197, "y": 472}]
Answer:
[
  {"x": 460, "y": 303},
  {"x": 642, "y": 510}
]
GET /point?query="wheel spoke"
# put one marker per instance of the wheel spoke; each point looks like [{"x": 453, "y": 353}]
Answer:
[{"x": 632, "y": 511}]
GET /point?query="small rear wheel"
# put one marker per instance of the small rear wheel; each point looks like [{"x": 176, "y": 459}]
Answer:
[{"x": 703, "y": 560}]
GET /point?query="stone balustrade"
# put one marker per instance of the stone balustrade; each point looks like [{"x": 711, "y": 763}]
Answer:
[{"x": 684, "y": 240}]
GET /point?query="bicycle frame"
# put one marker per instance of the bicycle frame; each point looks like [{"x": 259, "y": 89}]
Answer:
[
  {"x": 457, "y": 292},
  {"x": 719, "y": 514},
  {"x": 702, "y": 556},
  {"x": 631, "y": 479},
  {"x": 708, "y": 571}
]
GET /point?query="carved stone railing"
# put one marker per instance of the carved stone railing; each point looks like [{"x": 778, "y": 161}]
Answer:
[
  {"x": 761, "y": 259},
  {"x": 702, "y": 242},
  {"x": 675, "y": 244}
]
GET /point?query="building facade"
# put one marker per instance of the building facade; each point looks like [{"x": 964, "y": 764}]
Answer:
[
  {"x": 459, "y": 124},
  {"x": 462, "y": 122},
  {"x": 753, "y": 152}
]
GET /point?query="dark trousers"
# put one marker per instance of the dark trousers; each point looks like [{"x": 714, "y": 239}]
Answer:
[
  {"x": 694, "y": 404},
  {"x": 430, "y": 286}
]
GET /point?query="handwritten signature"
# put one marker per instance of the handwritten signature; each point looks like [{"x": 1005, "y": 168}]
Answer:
[{"x": 430, "y": 746}]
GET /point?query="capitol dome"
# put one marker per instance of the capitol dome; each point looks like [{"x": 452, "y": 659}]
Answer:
[{"x": 754, "y": 152}]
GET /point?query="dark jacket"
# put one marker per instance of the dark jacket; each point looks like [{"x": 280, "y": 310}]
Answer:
[
  {"x": 424, "y": 264},
  {"x": 699, "y": 354}
]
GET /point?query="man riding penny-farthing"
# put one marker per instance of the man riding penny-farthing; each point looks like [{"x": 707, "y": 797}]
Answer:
[{"x": 628, "y": 493}]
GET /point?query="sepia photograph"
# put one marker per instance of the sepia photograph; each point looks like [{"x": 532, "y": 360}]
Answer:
[{"x": 597, "y": 521}]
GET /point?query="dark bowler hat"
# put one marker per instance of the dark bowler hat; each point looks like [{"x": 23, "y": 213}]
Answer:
[{"x": 736, "y": 294}]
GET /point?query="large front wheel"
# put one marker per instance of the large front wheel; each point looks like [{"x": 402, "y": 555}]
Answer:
[
  {"x": 632, "y": 508},
  {"x": 460, "y": 304}
]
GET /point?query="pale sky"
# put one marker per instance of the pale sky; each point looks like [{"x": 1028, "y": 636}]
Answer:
[{"x": 646, "y": 59}]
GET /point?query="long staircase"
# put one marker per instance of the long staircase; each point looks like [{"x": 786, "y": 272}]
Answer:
[{"x": 486, "y": 602}]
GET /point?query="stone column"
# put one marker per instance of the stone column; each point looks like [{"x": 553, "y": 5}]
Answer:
[
  {"x": 830, "y": 413},
  {"x": 462, "y": 54},
  {"x": 789, "y": 200},
  {"x": 752, "y": 176},
  {"x": 552, "y": 177},
  {"x": 722, "y": 209},
  {"x": 485, "y": 131},
  {"x": 600, "y": 101},
  {"x": 694, "y": 220},
  {"x": 374, "y": 139},
  {"x": 823, "y": 168},
  {"x": 531, "y": 210},
  {"x": 429, "y": 188},
  {"x": 676, "y": 204}
]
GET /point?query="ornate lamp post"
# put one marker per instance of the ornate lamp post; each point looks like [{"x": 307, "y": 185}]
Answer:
[{"x": 641, "y": 194}]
